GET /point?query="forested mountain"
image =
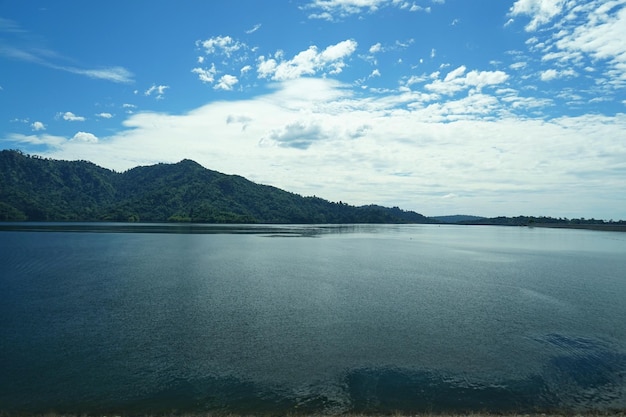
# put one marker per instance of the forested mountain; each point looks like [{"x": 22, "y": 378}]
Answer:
[{"x": 37, "y": 189}]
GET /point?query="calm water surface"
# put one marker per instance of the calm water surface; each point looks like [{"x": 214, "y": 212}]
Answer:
[{"x": 311, "y": 318}]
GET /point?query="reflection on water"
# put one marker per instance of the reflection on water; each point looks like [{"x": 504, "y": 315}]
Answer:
[
  {"x": 363, "y": 318},
  {"x": 188, "y": 228}
]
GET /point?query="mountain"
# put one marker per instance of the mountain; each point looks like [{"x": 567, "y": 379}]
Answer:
[{"x": 37, "y": 189}]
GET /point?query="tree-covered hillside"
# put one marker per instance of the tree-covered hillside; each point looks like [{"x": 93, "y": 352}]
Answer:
[{"x": 37, "y": 189}]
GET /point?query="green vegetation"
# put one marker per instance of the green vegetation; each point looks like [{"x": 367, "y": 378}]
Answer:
[
  {"x": 37, "y": 189},
  {"x": 543, "y": 221}
]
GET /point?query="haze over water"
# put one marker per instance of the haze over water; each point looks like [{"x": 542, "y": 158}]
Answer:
[{"x": 312, "y": 318}]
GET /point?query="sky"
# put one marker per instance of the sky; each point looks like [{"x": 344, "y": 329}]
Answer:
[{"x": 490, "y": 107}]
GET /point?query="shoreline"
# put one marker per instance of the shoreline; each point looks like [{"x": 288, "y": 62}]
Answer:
[
  {"x": 599, "y": 227},
  {"x": 617, "y": 413}
]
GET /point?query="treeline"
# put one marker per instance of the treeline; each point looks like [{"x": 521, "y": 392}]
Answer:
[
  {"x": 540, "y": 221},
  {"x": 37, "y": 189}
]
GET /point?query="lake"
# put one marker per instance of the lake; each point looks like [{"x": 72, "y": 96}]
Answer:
[{"x": 322, "y": 318}]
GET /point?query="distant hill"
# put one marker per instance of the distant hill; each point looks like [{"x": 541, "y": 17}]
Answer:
[{"x": 37, "y": 189}]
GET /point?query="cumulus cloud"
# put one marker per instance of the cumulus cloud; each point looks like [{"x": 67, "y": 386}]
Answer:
[
  {"x": 309, "y": 62},
  {"x": 333, "y": 9},
  {"x": 104, "y": 115},
  {"x": 220, "y": 45},
  {"x": 206, "y": 75},
  {"x": 552, "y": 74},
  {"x": 377, "y": 47},
  {"x": 71, "y": 117},
  {"x": 226, "y": 82},
  {"x": 457, "y": 80},
  {"x": 36, "y": 126},
  {"x": 84, "y": 137},
  {"x": 540, "y": 11},
  {"x": 300, "y": 134}
]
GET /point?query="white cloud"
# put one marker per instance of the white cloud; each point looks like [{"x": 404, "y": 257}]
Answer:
[
  {"x": 71, "y": 117},
  {"x": 583, "y": 35},
  {"x": 416, "y": 79},
  {"x": 206, "y": 75},
  {"x": 338, "y": 51},
  {"x": 377, "y": 47},
  {"x": 254, "y": 28},
  {"x": 456, "y": 80},
  {"x": 158, "y": 90},
  {"x": 36, "y": 126},
  {"x": 332, "y": 9},
  {"x": 309, "y": 62},
  {"x": 49, "y": 58},
  {"x": 455, "y": 73},
  {"x": 105, "y": 115},
  {"x": 226, "y": 82},
  {"x": 224, "y": 45},
  {"x": 599, "y": 36},
  {"x": 300, "y": 134},
  {"x": 115, "y": 74},
  {"x": 552, "y": 74},
  {"x": 84, "y": 137},
  {"x": 54, "y": 142},
  {"x": 548, "y": 75},
  {"x": 540, "y": 11}
]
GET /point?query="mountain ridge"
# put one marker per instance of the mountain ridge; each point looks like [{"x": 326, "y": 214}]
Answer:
[{"x": 33, "y": 188}]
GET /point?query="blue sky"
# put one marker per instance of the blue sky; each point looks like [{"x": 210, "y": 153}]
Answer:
[{"x": 487, "y": 107}]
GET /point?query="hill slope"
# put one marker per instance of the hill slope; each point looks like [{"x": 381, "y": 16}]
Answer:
[{"x": 37, "y": 189}]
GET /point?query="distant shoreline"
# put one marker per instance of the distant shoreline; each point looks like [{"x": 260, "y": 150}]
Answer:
[
  {"x": 606, "y": 227},
  {"x": 394, "y": 414},
  {"x": 601, "y": 227},
  {"x": 182, "y": 227}
]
